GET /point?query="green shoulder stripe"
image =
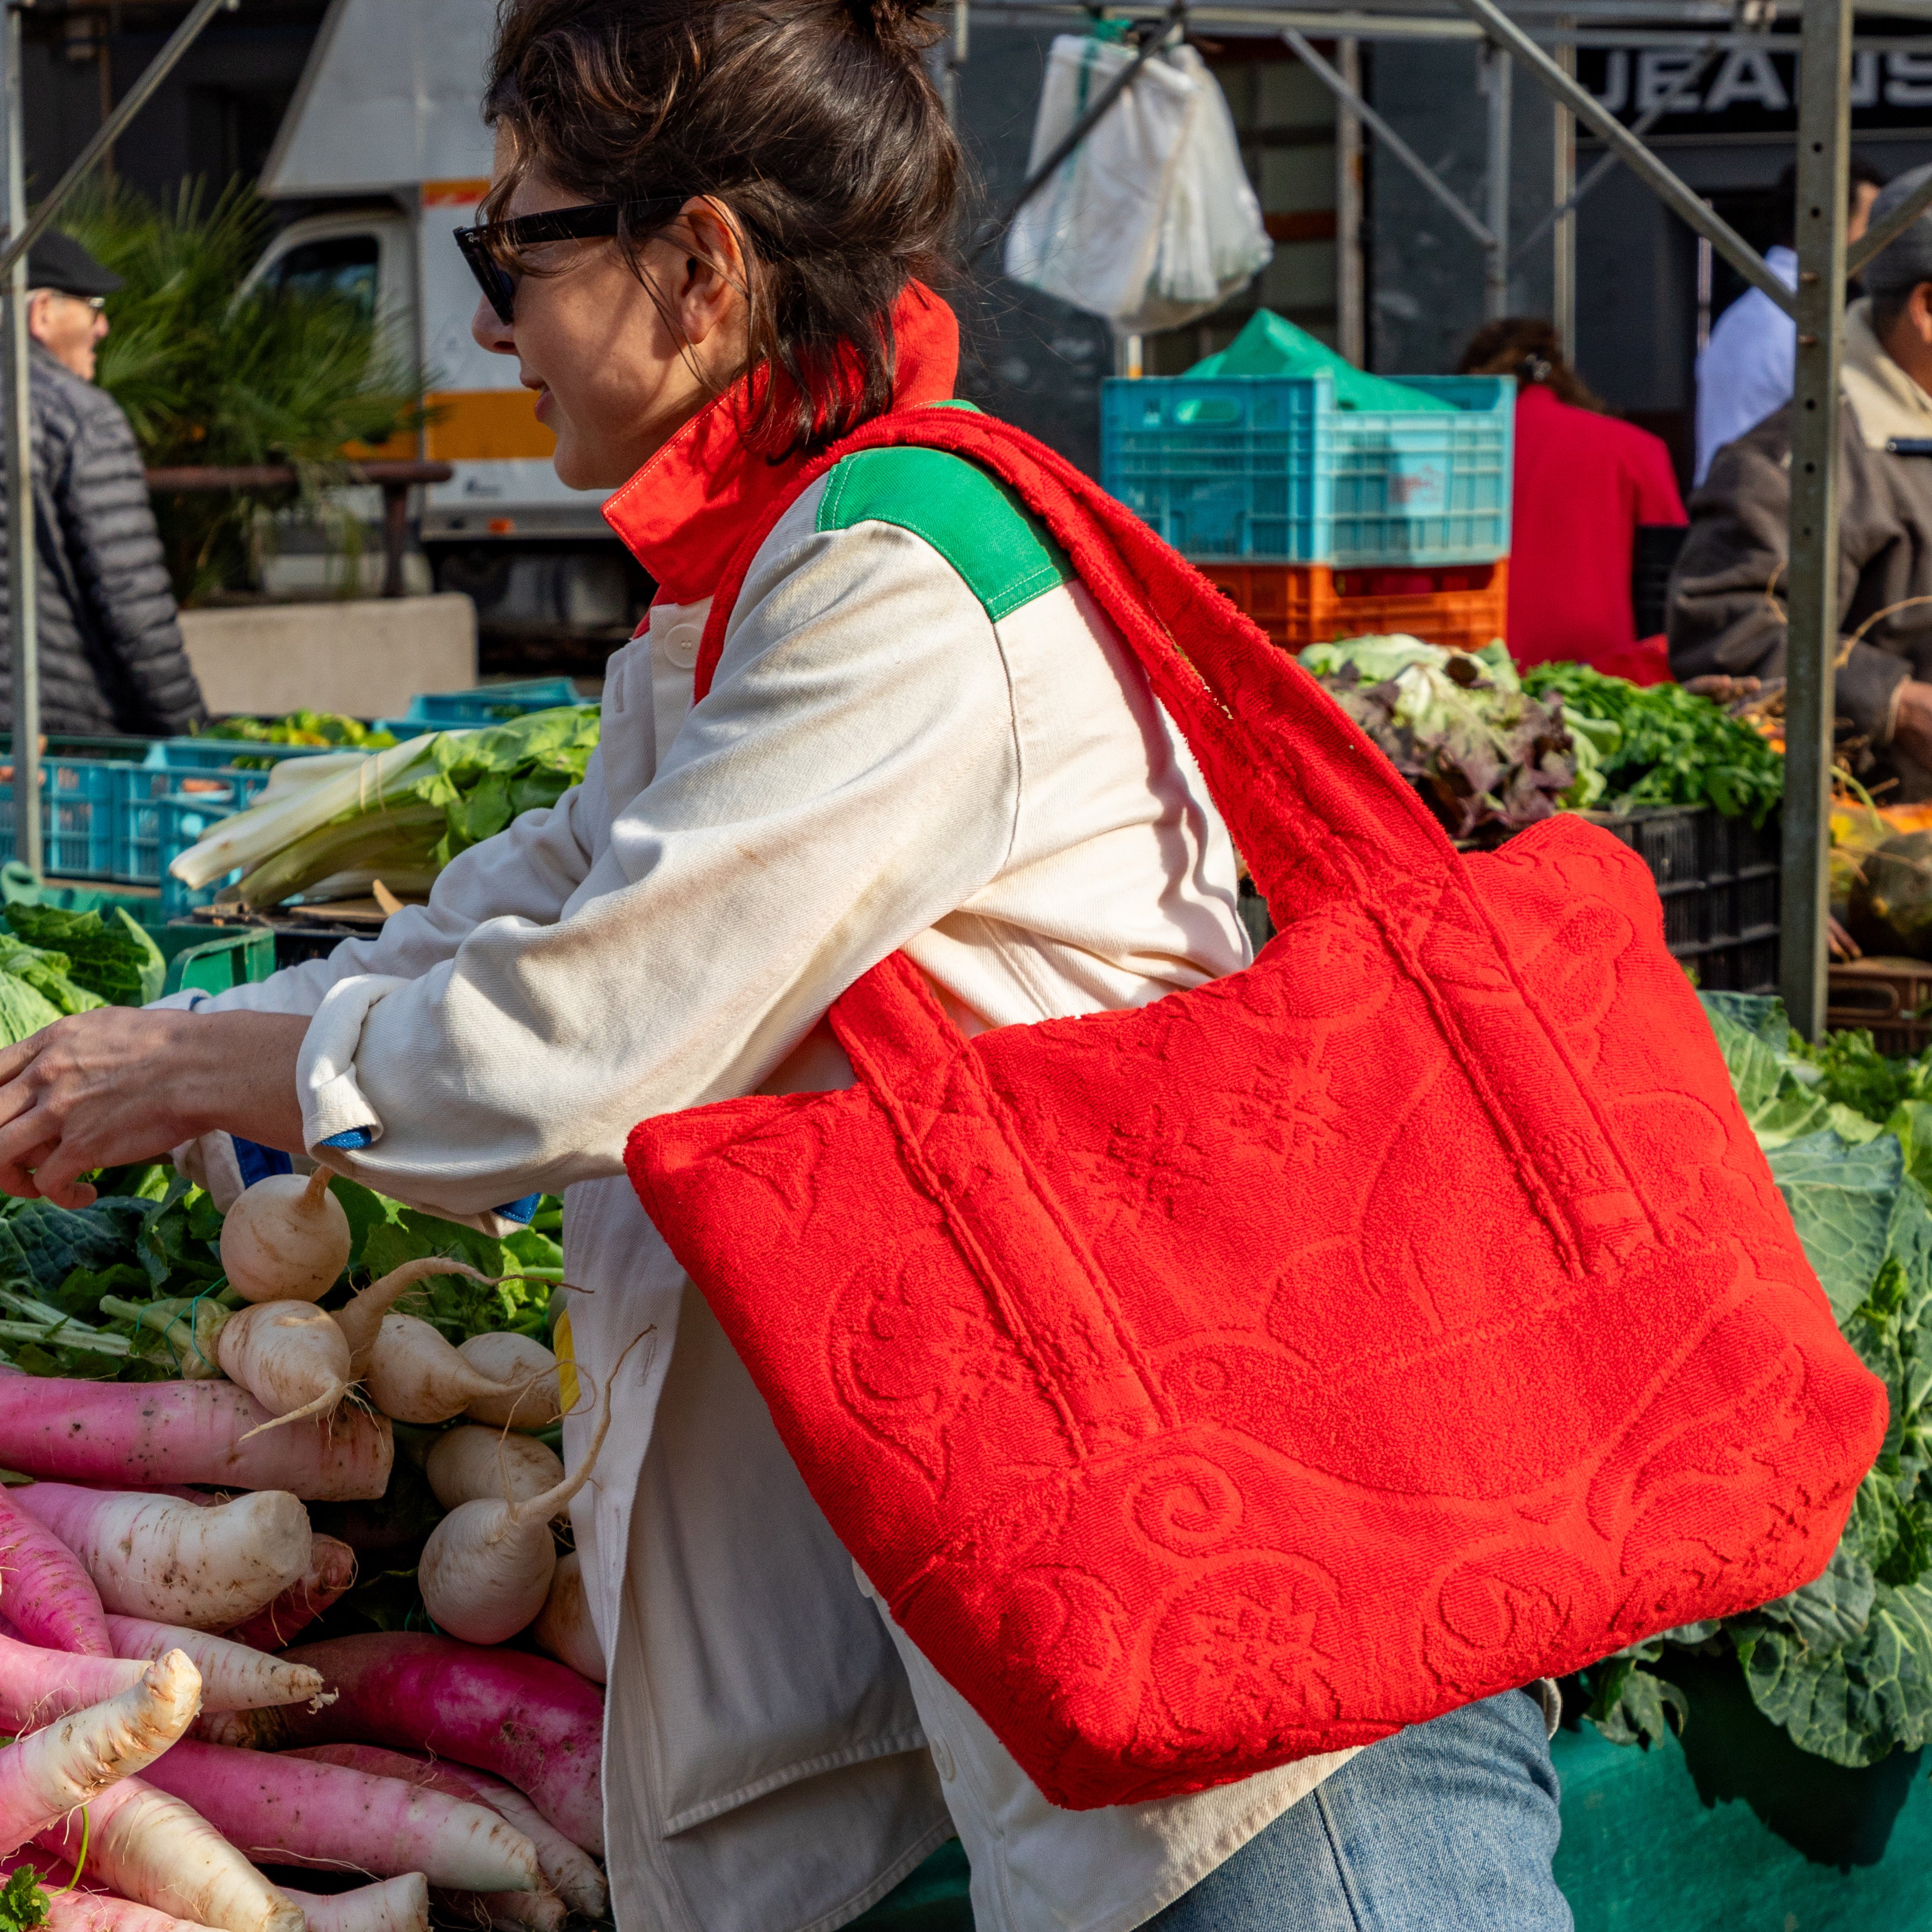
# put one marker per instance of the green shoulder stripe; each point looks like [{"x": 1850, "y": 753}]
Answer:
[{"x": 1006, "y": 555}]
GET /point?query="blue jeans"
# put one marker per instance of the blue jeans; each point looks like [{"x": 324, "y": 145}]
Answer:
[{"x": 1450, "y": 1827}]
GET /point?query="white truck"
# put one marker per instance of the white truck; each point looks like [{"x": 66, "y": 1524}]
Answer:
[{"x": 385, "y": 146}]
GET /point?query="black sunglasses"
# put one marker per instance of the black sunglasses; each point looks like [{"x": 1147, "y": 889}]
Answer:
[{"x": 594, "y": 220}]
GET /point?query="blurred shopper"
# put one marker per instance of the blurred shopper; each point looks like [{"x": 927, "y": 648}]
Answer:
[
  {"x": 1597, "y": 518},
  {"x": 1726, "y": 616},
  {"x": 1745, "y": 372},
  {"x": 110, "y": 649}
]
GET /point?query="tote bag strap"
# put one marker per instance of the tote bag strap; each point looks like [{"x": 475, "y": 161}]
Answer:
[{"x": 1317, "y": 811}]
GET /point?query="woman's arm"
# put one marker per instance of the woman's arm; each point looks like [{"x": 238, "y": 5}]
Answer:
[{"x": 853, "y": 777}]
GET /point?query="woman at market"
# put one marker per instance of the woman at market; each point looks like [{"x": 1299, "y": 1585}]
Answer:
[
  {"x": 1597, "y": 519},
  {"x": 709, "y": 229}
]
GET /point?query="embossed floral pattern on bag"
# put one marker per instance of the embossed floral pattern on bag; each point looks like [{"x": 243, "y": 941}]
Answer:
[{"x": 1209, "y": 1385}]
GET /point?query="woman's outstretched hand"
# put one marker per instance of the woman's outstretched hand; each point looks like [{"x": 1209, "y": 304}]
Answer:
[{"x": 117, "y": 1084}]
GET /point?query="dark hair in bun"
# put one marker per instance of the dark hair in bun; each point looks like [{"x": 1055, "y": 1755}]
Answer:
[{"x": 813, "y": 121}]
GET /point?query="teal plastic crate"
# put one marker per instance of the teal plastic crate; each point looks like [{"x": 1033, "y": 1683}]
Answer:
[
  {"x": 142, "y": 852},
  {"x": 218, "y": 754},
  {"x": 1267, "y": 469},
  {"x": 81, "y": 801},
  {"x": 487, "y": 704},
  {"x": 181, "y": 818}
]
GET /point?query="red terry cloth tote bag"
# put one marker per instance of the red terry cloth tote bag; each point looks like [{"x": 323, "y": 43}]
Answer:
[{"x": 1208, "y": 1384}]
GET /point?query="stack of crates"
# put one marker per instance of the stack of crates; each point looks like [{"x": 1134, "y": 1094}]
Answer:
[
  {"x": 117, "y": 811},
  {"x": 1323, "y": 523}
]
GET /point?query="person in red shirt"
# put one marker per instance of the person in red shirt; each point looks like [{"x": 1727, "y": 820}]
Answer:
[{"x": 1597, "y": 516}]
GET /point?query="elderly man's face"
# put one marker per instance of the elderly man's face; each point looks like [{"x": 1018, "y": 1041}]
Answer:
[{"x": 68, "y": 327}]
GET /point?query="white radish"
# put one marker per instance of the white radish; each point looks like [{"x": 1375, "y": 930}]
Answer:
[
  {"x": 78, "y": 1758},
  {"x": 172, "y": 1563},
  {"x": 234, "y": 1677},
  {"x": 414, "y": 1376},
  {"x": 563, "y": 1629},
  {"x": 286, "y": 1239},
  {"x": 467, "y": 1462},
  {"x": 360, "y": 1318},
  {"x": 289, "y": 1355},
  {"x": 396, "y": 1905},
  {"x": 155, "y": 1849},
  {"x": 486, "y": 1571},
  {"x": 524, "y": 1366}
]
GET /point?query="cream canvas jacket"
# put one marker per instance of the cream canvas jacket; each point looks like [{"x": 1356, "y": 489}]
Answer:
[{"x": 882, "y": 762}]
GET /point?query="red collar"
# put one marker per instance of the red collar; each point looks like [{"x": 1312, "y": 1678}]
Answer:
[{"x": 685, "y": 512}]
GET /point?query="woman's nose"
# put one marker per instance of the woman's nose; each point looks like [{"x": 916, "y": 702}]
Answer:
[{"x": 492, "y": 332}]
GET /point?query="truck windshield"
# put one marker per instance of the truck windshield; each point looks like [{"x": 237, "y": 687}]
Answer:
[{"x": 340, "y": 265}]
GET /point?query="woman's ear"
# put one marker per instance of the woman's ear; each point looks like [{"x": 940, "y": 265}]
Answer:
[{"x": 711, "y": 282}]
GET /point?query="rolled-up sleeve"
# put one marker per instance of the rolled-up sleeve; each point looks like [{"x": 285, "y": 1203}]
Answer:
[{"x": 852, "y": 776}]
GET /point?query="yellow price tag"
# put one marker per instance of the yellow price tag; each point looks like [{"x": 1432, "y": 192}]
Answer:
[{"x": 566, "y": 1362}]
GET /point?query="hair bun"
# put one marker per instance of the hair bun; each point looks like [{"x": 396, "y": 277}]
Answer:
[{"x": 905, "y": 23}]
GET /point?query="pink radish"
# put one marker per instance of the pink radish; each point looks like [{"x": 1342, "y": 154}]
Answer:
[
  {"x": 76, "y": 1759},
  {"x": 38, "y": 1685},
  {"x": 81, "y": 1910},
  {"x": 152, "y": 1557},
  {"x": 524, "y": 1366},
  {"x": 507, "y": 1911},
  {"x": 154, "y": 1848},
  {"x": 330, "y": 1576},
  {"x": 527, "y": 1719},
  {"x": 286, "y": 1239},
  {"x": 414, "y": 1376},
  {"x": 361, "y": 1317},
  {"x": 563, "y": 1629},
  {"x": 573, "y": 1874},
  {"x": 44, "y": 1589},
  {"x": 396, "y": 1905},
  {"x": 143, "y": 1435},
  {"x": 290, "y": 1811},
  {"x": 289, "y": 1355},
  {"x": 468, "y": 1462}
]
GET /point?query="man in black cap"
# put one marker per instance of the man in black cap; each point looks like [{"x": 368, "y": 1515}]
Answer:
[{"x": 111, "y": 656}]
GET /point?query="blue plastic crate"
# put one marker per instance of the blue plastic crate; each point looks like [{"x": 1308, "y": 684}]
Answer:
[
  {"x": 218, "y": 754},
  {"x": 81, "y": 802},
  {"x": 138, "y": 853},
  {"x": 488, "y": 704},
  {"x": 181, "y": 819},
  {"x": 1266, "y": 468}
]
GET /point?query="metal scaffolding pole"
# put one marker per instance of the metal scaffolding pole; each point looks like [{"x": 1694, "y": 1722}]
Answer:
[
  {"x": 1496, "y": 71},
  {"x": 22, "y": 572},
  {"x": 1811, "y": 608},
  {"x": 1562, "y": 195},
  {"x": 1351, "y": 320}
]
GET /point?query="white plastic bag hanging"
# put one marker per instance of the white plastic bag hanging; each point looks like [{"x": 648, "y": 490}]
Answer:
[
  {"x": 1212, "y": 239},
  {"x": 1091, "y": 234},
  {"x": 1151, "y": 220}
]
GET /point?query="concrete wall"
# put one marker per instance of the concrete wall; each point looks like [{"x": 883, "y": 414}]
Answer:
[{"x": 366, "y": 657}]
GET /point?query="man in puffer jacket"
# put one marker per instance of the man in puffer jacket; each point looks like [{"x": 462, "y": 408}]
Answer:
[{"x": 110, "y": 649}]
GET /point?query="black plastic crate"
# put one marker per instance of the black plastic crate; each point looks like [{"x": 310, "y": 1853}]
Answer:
[{"x": 1717, "y": 878}]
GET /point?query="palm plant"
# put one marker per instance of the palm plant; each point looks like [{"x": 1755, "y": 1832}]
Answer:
[{"x": 211, "y": 375}]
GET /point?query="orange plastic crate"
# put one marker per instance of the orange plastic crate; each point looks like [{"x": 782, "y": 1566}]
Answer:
[{"x": 1461, "y": 607}]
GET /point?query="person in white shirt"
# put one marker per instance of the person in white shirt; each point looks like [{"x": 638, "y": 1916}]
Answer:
[
  {"x": 706, "y": 242},
  {"x": 1745, "y": 371}
]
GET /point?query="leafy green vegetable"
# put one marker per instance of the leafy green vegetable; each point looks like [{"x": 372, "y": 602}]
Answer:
[
  {"x": 1458, "y": 726},
  {"x": 1673, "y": 747},
  {"x": 457, "y": 789},
  {"x": 22, "y": 1011},
  {"x": 302, "y": 727},
  {"x": 24, "y": 1903},
  {"x": 118, "y": 961},
  {"x": 1632, "y": 1707},
  {"x": 47, "y": 973}
]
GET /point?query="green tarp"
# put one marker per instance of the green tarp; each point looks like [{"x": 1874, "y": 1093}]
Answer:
[{"x": 1270, "y": 345}]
